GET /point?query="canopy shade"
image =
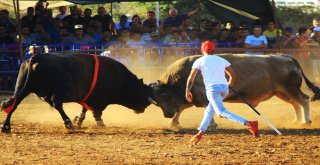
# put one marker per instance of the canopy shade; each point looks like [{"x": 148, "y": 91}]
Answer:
[
  {"x": 84, "y": 2},
  {"x": 239, "y": 10}
]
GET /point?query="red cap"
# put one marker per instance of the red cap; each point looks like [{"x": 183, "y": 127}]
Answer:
[{"x": 207, "y": 46}]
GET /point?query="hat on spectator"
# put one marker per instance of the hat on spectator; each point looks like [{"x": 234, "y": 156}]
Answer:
[
  {"x": 207, "y": 46},
  {"x": 78, "y": 26},
  {"x": 155, "y": 34},
  {"x": 316, "y": 29},
  {"x": 288, "y": 29}
]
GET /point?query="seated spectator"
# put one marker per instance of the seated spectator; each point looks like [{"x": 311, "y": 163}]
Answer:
[
  {"x": 63, "y": 12},
  {"x": 243, "y": 33},
  {"x": 105, "y": 19},
  {"x": 287, "y": 40},
  {"x": 271, "y": 33},
  {"x": 90, "y": 31},
  {"x": 124, "y": 36},
  {"x": 63, "y": 34},
  {"x": 26, "y": 37},
  {"x": 184, "y": 38},
  {"x": 206, "y": 29},
  {"x": 108, "y": 38},
  {"x": 174, "y": 40},
  {"x": 78, "y": 38},
  {"x": 151, "y": 21},
  {"x": 136, "y": 24},
  {"x": 57, "y": 22},
  {"x": 5, "y": 37},
  {"x": 155, "y": 38},
  {"x": 187, "y": 24},
  {"x": 176, "y": 19},
  {"x": 29, "y": 19},
  {"x": 224, "y": 41},
  {"x": 41, "y": 36},
  {"x": 256, "y": 41},
  {"x": 147, "y": 30},
  {"x": 194, "y": 37},
  {"x": 123, "y": 23},
  {"x": 167, "y": 33}
]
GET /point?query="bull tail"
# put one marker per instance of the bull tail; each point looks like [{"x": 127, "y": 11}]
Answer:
[
  {"x": 19, "y": 95},
  {"x": 314, "y": 88}
]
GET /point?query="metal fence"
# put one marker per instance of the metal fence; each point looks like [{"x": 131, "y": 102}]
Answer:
[{"x": 136, "y": 56}]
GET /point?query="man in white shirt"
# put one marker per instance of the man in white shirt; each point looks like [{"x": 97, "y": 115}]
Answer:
[
  {"x": 256, "y": 41},
  {"x": 213, "y": 69}
]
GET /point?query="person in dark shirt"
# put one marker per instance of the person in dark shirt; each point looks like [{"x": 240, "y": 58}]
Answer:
[
  {"x": 176, "y": 19},
  {"x": 104, "y": 18},
  {"x": 5, "y": 37},
  {"x": 73, "y": 19},
  {"x": 29, "y": 20},
  {"x": 151, "y": 21}
]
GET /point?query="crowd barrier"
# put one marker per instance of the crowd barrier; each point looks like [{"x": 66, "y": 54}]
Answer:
[{"x": 137, "y": 56}]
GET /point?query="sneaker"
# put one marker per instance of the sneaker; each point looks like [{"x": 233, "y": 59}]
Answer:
[
  {"x": 196, "y": 138},
  {"x": 253, "y": 128}
]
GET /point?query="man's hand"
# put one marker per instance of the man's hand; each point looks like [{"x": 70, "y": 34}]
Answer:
[{"x": 189, "y": 96}]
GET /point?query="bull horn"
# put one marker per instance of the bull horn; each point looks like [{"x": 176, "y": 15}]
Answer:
[{"x": 152, "y": 101}]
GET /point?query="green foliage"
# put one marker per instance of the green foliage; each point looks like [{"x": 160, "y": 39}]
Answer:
[{"x": 296, "y": 17}]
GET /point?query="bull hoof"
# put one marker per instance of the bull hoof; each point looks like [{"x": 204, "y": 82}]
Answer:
[
  {"x": 5, "y": 129},
  {"x": 78, "y": 121},
  {"x": 68, "y": 125},
  {"x": 100, "y": 124},
  {"x": 175, "y": 127}
]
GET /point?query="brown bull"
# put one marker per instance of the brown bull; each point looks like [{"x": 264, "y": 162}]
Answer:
[{"x": 258, "y": 79}]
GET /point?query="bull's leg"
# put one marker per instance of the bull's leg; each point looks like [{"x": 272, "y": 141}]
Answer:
[
  {"x": 174, "y": 123},
  {"x": 78, "y": 119},
  {"x": 97, "y": 116},
  {"x": 57, "y": 104},
  {"x": 6, "y": 126}
]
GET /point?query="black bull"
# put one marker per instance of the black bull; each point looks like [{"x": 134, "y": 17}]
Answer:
[
  {"x": 258, "y": 79},
  {"x": 60, "y": 78}
]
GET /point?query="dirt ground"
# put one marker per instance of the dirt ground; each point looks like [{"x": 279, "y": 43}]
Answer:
[{"x": 38, "y": 137}]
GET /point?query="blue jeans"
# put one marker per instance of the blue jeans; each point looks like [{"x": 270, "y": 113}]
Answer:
[{"x": 215, "y": 95}]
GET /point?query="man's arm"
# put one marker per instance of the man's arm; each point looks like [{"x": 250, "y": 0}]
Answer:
[
  {"x": 190, "y": 81},
  {"x": 232, "y": 76}
]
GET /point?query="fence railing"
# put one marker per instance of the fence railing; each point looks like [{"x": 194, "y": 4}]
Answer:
[{"x": 135, "y": 56}]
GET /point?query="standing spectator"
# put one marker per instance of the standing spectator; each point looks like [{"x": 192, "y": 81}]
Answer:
[
  {"x": 7, "y": 21},
  {"x": 5, "y": 37},
  {"x": 176, "y": 19},
  {"x": 243, "y": 33},
  {"x": 104, "y": 18},
  {"x": 287, "y": 40},
  {"x": 73, "y": 19},
  {"x": 122, "y": 24},
  {"x": 63, "y": 12},
  {"x": 136, "y": 24},
  {"x": 151, "y": 21},
  {"x": 29, "y": 19},
  {"x": 78, "y": 38},
  {"x": 303, "y": 42},
  {"x": 315, "y": 23},
  {"x": 315, "y": 57},
  {"x": 256, "y": 41},
  {"x": 87, "y": 16},
  {"x": 272, "y": 33},
  {"x": 40, "y": 8}
]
